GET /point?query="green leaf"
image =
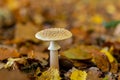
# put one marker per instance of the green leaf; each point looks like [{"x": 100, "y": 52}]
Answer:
[
  {"x": 111, "y": 24},
  {"x": 106, "y": 78}
]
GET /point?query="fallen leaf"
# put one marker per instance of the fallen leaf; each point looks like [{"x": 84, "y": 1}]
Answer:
[
  {"x": 50, "y": 74},
  {"x": 108, "y": 54},
  {"x": 111, "y": 9},
  {"x": 78, "y": 75},
  {"x": 7, "y": 52},
  {"x": 114, "y": 67},
  {"x": 37, "y": 72},
  {"x": 2, "y": 65},
  {"x": 119, "y": 76},
  {"x": 98, "y": 19},
  {"x": 112, "y": 60},
  {"x": 101, "y": 61},
  {"x": 25, "y": 32},
  {"x": 78, "y": 52},
  {"x": 77, "y": 31},
  {"x": 11, "y": 61},
  {"x": 13, "y": 4},
  {"x": 38, "y": 55}
]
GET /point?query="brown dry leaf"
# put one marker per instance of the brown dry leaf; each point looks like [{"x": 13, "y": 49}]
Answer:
[
  {"x": 112, "y": 60},
  {"x": 25, "y": 32},
  {"x": 6, "y": 52},
  {"x": 116, "y": 47},
  {"x": 119, "y": 76},
  {"x": 34, "y": 51},
  {"x": 115, "y": 44},
  {"x": 82, "y": 64},
  {"x": 78, "y": 33},
  {"x": 24, "y": 50},
  {"x": 114, "y": 67},
  {"x": 101, "y": 61},
  {"x": 38, "y": 55}
]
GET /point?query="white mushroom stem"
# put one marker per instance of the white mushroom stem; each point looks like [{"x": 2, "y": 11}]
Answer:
[{"x": 54, "y": 61}]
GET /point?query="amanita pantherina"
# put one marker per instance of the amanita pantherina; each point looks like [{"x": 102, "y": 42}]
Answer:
[{"x": 53, "y": 35}]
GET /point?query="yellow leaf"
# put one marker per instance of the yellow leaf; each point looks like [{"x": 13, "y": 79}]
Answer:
[
  {"x": 50, "y": 74},
  {"x": 37, "y": 72},
  {"x": 97, "y": 19},
  {"x": 78, "y": 75},
  {"x": 108, "y": 54},
  {"x": 111, "y": 9},
  {"x": 12, "y": 60},
  {"x": 111, "y": 49},
  {"x": 13, "y": 4}
]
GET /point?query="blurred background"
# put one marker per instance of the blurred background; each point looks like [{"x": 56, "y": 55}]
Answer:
[
  {"x": 90, "y": 21},
  {"x": 21, "y": 19}
]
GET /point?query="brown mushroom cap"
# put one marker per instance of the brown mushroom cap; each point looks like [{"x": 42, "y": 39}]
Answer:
[{"x": 53, "y": 34}]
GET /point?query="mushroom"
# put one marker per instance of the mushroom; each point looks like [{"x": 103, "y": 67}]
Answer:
[{"x": 53, "y": 35}]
